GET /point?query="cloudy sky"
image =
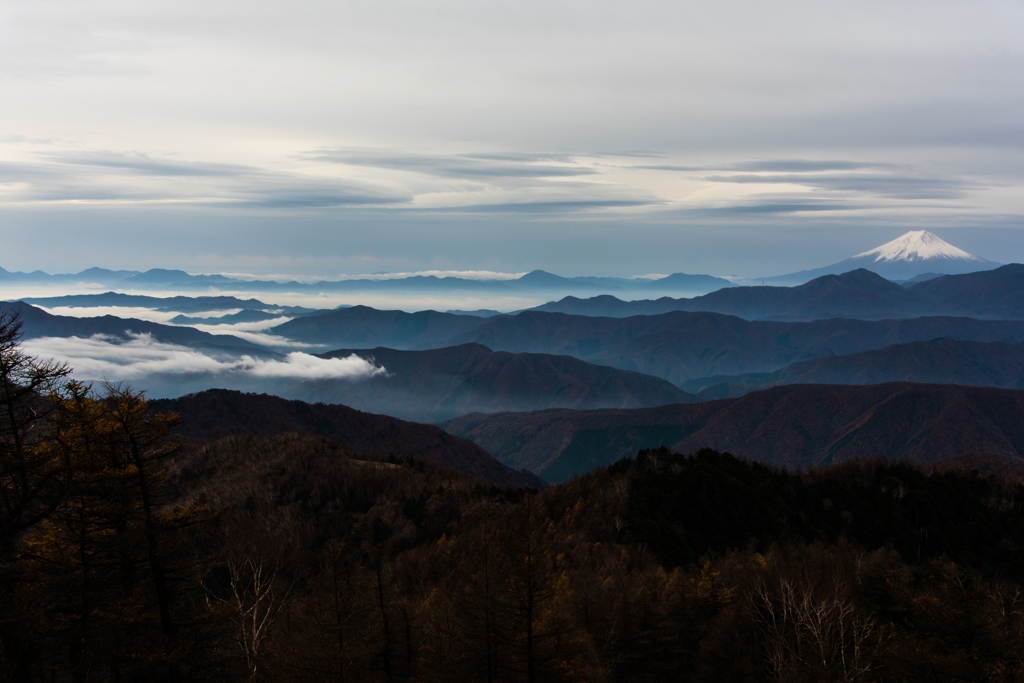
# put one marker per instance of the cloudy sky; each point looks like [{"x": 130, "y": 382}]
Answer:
[{"x": 307, "y": 138}]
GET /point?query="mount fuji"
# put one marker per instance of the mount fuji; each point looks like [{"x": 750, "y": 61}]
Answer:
[{"x": 915, "y": 253}]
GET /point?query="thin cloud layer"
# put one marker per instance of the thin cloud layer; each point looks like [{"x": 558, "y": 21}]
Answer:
[
  {"x": 105, "y": 358},
  {"x": 893, "y": 185},
  {"x": 461, "y": 274},
  {"x": 121, "y": 178},
  {"x": 463, "y": 166},
  {"x": 406, "y": 136}
]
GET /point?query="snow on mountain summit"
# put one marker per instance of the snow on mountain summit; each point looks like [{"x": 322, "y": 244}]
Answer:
[
  {"x": 913, "y": 254},
  {"x": 917, "y": 245}
]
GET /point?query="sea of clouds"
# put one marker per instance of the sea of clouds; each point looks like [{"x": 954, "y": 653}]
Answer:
[{"x": 102, "y": 357}]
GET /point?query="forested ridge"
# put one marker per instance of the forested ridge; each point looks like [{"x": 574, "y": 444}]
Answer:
[{"x": 127, "y": 556}]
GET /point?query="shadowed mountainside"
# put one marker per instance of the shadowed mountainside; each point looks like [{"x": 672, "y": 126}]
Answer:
[
  {"x": 217, "y": 413},
  {"x": 791, "y": 426},
  {"x": 939, "y": 361},
  {"x": 681, "y": 346},
  {"x": 362, "y": 327},
  {"x": 995, "y": 293},
  {"x": 442, "y": 383},
  {"x": 428, "y": 386}
]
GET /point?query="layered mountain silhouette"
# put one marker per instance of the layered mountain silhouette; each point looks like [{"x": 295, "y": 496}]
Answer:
[
  {"x": 856, "y": 294},
  {"x": 434, "y": 385},
  {"x": 38, "y": 323},
  {"x": 101, "y": 276},
  {"x": 791, "y": 426},
  {"x": 362, "y": 327},
  {"x": 997, "y": 293},
  {"x": 214, "y": 414},
  {"x": 180, "y": 304},
  {"x": 992, "y": 294},
  {"x": 246, "y": 316},
  {"x": 532, "y": 282},
  {"x": 939, "y": 361},
  {"x": 679, "y": 347}
]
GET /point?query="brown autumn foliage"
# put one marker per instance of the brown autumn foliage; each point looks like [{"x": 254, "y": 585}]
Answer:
[{"x": 293, "y": 558}]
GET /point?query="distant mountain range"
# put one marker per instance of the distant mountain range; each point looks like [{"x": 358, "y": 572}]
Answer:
[
  {"x": 99, "y": 276},
  {"x": 538, "y": 357},
  {"x": 939, "y": 361},
  {"x": 992, "y": 294},
  {"x": 429, "y": 386},
  {"x": 530, "y": 283},
  {"x": 38, "y": 323},
  {"x": 421, "y": 385},
  {"x": 218, "y": 413},
  {"x": 911, "y": 255},
  {"x": 179, "y": 304},
  {"x": 679, "y": 347},
  {"x": 792, "y": 426},
  {"x": 362, "y": 327},
  {"x": 439, "y": 384},
  {"x": 915, "y": 254}
]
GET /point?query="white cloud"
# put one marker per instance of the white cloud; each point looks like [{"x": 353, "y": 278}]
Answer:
[
  {"x": 102, "y": 358},
  {"x": 463, "y": 274},
  {"x": 249, "y": 331},
  {"x": 304, "y": 366},
  {"x": 235, "y": 328},
  {"x": 192, "y": 119},
  {"x": 310, "y": 279},
  {"x": 255, "y": 333}
]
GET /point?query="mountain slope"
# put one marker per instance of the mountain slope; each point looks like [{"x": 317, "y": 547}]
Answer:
[
  {"x": 38, "y": 323},
  {"x": 856, "y": 294},
  {"x": 791, "y": 426},
  {"x": 434, "y": 385},
  {"x": 217, "y": 413},
  {"x": 997, "y": 293},
  {"x": 679, "y": 347},
  {"x": 438, "y": 384},
  {"x": 938, "y": 361},
  {"x": 362, "y": 327}
]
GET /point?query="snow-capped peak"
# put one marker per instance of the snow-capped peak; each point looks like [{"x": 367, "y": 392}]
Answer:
[{"x": 917, "y": 245}]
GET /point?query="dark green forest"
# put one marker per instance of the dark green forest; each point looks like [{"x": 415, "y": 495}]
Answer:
[{"x": 127, "y": 554}]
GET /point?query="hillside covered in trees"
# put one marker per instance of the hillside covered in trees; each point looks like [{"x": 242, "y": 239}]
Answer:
[{"x": 128, "y": 555}]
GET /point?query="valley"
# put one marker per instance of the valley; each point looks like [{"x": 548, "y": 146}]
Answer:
[
  {"x": 511, "y": 342},
  {"x": 588, "y": 356},
  {"x": 385, "y": 475}
]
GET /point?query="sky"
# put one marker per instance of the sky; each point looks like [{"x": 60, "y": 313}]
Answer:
[{"x": 318, "y": 139}]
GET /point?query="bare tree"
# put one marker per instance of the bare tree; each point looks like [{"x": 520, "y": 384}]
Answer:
[
  {"x": 256, "y": 596},
  {"x": 810, "y": 625}
]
